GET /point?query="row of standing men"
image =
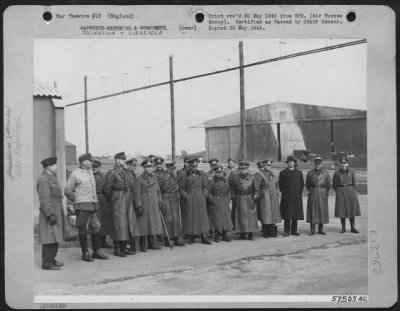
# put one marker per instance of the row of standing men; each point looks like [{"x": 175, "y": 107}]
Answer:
[{"x": 189, "y": 203}]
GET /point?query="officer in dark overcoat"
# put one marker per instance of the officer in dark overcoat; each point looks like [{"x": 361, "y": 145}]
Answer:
[
  {"x": 130, "y": 166},
  {"x": 291, "y": 184},
  {"x": 346, "y": 204},
  {"x": 50, "y": 215},
  {"x": 210, "y": 175},
  {"x": 118, "y": 191},
  {"x": 193, "y": 190},
  {"x": 104, "y": 208}
]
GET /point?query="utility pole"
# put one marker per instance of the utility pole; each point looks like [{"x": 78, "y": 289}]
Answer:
[
  {"x": 243, "y": 146},
  {"x": 171, "y": 88},
  {"x": 86, "y": 116}
]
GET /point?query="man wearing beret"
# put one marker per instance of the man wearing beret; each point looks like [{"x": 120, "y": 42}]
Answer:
[
  {"x": 244, "y": 196},
  {"x": 291, "y": 184},
  {"x": 118, "y": 191},
  {"x": 219, "y": 196},
  {"x": 104, "y": 208},
  {"x": 268, "y": 205},
  {"x": 81, "y": 190},
  {"x": 193, "y": 190},
  {"x": 170, "y": 200},
  {"x": 50, "y": 216},
  {"x": 346, "y": 204},
  {"x": 318, "y": 183},
  {"x": 148, "y": 196}
]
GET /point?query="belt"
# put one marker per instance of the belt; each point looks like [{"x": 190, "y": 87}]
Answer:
[
  {"x": 350, "y": 185},
  {"x": 219, "y": 196},
  {"x": 320, "y": 186},
  {"x": 242, "y": 193},
  {"x": 99, "y": 192},
  {"x": 122, "y": 189}
]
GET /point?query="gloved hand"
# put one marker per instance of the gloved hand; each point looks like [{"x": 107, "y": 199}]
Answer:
[
  {"x": 70, "y": 210},
  {"x": 139, "y": 211},
  {"x": 53, "y": 219},
  {"x": 161, "y": 206}
]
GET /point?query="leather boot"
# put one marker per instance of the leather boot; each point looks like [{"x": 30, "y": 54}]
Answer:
[
  {"x": 204, "y": 239},
  {"x": 343, "y": 221},
  {"x": 274, "y": 230},
  {"x": 353, "y": 228},
  {"x": 250, "y": 236},
  {"x": 85, "y": 253},
  {"x": 124, "y": 249},
  {"x": 97, "y": 253},
  {"x": 225, "y": 236},
  {"x": 265, "y": 231},
  {"x": 103, "y": 242},
  {"x": 217, "y": 236},
  {"x": 242, "y": 236},
  {"x": 132, "y": 245},
  {"x": 312, "y": 229},
  {"x": 192, "y": 239},
  {"x": 177, "y": 242},
  {"x": 150, "y": 240},
  {"x": 320, "y": 229},
  {"x": 142, "y": 244},
  {"x": 117, "y": 249}
]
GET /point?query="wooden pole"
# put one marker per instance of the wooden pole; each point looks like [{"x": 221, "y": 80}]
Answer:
[
  {"x": 278, "y": 126},
  {"x": 171, "y": 88},
  {"x": 243, "y": 146},
  {"x": 86, "y": 116}
]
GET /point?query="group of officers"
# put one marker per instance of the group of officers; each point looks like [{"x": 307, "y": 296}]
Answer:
[{"x": 163, "y": 203}]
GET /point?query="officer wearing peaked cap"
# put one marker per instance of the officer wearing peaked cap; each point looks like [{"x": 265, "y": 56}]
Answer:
[
  {"x": 50, "y": 216},
  {"x": 318, "y": 184},
  {"x": 118, "y": 191},
  {"x": 81, "y": 190},
  {"x": 210, "y": 175},
  {"x": 148, "y": 196},
  {"x": 346, "y": 203}
]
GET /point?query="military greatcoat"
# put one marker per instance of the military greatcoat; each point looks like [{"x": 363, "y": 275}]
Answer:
[
  {"x": 244, "y": 191},
  {"x": 268, "y": 206},
  {"x": 117, "y": 190},
  {"x": 170, "y": 200},
  {"x": 318, "y": 183},
  {"x": 193, "y": 190},
  {"x": 218, "y": 203},
  {"x": 148, "y": 196},
  {"x": 50, "y": 198},
  {"x": 346, "y": 204},
  {"x": 104, "y": 206}
]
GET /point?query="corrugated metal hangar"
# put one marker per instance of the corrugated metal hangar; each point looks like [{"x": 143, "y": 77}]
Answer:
[{"x": 276, "y": 129}]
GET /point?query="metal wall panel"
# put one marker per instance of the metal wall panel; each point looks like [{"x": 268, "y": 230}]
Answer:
[
  {"x": 218, "y": 143},
  {"x": 265, "y": 143},
  {"x": 317, "y": 137},
  {"x": 351, "y": 136}
]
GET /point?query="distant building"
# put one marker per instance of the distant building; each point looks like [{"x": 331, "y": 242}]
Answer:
[
  {"x": 48, "y": 132},
  {"x": 70, "y": 153},
  {"x": 277, "y": 129}
]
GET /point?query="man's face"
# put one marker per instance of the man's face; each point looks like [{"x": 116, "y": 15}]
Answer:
[
  {"x": 120, "y": 162},
  {"x": 219, "y": 173},
  {"x": 318, "y": 165},
  {"x": 194, "y": 164},
  {"x": 243, "y": 169},
  {"x": 159, "y": 167},
  {"x": 291, "y": 164},
  {"x": 87, "y": 164},
  {"x": 52, "y": 168},
  {"x": 344, "y": 165},
  {"x": 148, "y": 169},
  {"x": 96, "y": 169},
  {"x": 230, "y": 163},
  {"x": 267, "y": 166},
  {"x": 213, "y": 164}
]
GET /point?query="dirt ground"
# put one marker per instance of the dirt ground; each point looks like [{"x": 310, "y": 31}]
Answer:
[{"x": 306, "y": 265}]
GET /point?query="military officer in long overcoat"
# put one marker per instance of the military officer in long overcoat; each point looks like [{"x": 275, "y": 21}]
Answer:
[
  {"x": 268, "y": 210},
  {"x": 210, "y": 175},
  {"x": 130, "y": 166},
  {"x": 81, "y": 190},
  {"x": 170, "y": 200},
  {"x": 318, "y": 184},
  {"x": 104, "y": 208},
  {"x": 50, "y": 215},
  {"x": 148, "y": 195},
  {"x": 193, "y": 190},
  {"x": 118, "y": 191},
  {"x": 218, "y": 199},
  {"x": 291, "y": 184},
  {"x": 346, "y": 204},
  {"x": 244, "y": 195}
]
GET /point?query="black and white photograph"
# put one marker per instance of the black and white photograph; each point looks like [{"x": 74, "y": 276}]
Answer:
[
  {"x": 184, "y": 207},
  {"x": 212, "y": 169}
]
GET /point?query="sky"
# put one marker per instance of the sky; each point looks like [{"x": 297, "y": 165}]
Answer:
[{"x": 140, "y": 122}]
